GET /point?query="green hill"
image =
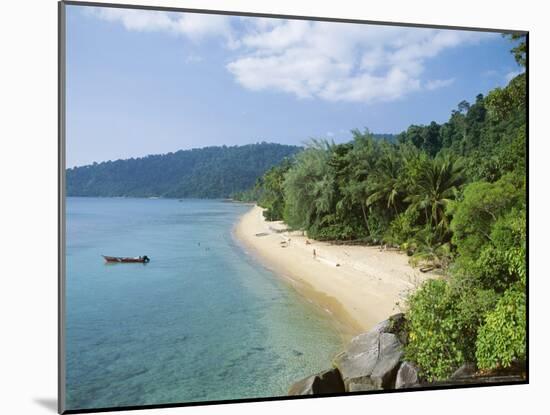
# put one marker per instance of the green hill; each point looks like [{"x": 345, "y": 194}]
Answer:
[{"x": 210, "y": 172}]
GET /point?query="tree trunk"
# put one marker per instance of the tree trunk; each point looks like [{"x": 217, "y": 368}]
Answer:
[{"x": 365, "y": 218}]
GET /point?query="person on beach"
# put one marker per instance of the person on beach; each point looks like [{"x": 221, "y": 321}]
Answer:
[{"x": 314, "y": 254}]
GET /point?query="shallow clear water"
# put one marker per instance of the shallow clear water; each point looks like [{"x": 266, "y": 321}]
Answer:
[{"x": 202, "y": 321}]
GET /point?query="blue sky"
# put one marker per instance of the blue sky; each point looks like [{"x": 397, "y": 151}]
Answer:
[{"x": 149, "y": 82}]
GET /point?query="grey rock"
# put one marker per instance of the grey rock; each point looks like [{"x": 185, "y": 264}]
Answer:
[
  {"x": 407, "y": 376},
  {"x": 382, "y": 327},
  {"x": 303, "y": 387},
  {"x": 465, "y": 371},
  {"x": 371, "y": 359},
  {"x": 329, "y": 381},
  {"x": 361, "y": 385},
  {"x": 360, "y": 358},
  {"x": 389, "y": 357}
]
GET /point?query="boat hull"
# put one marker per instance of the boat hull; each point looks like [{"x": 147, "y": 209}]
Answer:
[{"x": 115, "y": 259}]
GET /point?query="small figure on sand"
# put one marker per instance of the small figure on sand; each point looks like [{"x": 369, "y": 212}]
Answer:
[
  {"x": 314, "y": 254},
  {"x": 307, "y": 242}
]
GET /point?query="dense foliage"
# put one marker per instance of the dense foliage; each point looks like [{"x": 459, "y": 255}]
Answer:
[
  {"x": 269, "y": 190},
  {"x": 210, "y": 172},
  {"x": 435, "y": 330},
  {"x": 453, "y": 196},
  {"x": 502, "y": 338}
]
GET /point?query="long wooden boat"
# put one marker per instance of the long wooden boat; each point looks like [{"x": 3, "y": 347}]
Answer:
[{"x": 143, "y": 259}]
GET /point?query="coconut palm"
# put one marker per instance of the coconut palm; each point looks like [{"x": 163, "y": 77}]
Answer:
[
  {"x": 306, "y": 185},
  {"x": 386, "y": 184},
  {"x": 437, "y": 183}
]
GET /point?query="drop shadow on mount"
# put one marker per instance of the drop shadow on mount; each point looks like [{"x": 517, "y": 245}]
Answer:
[{"x": 48, "y": 403}]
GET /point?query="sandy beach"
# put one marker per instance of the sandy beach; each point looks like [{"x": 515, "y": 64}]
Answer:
[{"x": 358, "y": 285}]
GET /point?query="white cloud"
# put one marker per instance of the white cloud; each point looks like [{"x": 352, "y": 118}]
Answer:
[
  {"x": 192, "y": 25},
  {"x": 366, "y": 87},
  {"x": 342, "y": 62},
  {"x": 329, "y": 61},
  {"x": 438, "y": 83}
]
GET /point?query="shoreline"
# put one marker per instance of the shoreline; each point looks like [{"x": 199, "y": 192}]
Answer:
[{"x": 358, "y": 285}]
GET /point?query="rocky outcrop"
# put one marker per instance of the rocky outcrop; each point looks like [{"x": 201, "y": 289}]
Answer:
[
  {"x": 374, "y": 361},
  {"x": 464, "y": 371},
  {"x": 370, "y": 362},
  {"x": 407, "y": 376},
  {"x": 389, "y": 359},
  {"x": 329, "y": 381},
  {"x": 358, "y": 361}
]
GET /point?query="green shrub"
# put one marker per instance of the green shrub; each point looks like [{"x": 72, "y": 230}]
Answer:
[
  {"x": 430, "y": 248},
  {"x": 502, "y": 339},
  {"x": 491, "y": 269},
  {"x": 332, "y": 228},
  {"x": 403, "y": 229},
  {"x": 332, "y": 232},
  {"x": 435, "y": 344},
  {"x": 472, "y": 306},
  {"x": 443, "y": 322},
  {"x": 482, "y": 205},
  {"x": 501, "y": 261}
]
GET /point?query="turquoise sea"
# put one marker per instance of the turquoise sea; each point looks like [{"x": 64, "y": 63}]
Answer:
[{"x": 202, "y": 321}]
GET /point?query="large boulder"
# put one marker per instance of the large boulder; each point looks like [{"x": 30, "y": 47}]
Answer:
[
  {"x": 372, "y": 359},
  {"x": 359, "y": 359},
  {"x": 465, "y": 371},
  {"x": 407, "y": 376},
  {"x": 329, "y": 381},
  {"x": 361, "y": 385},
  {"x": 389, "y": 358}
]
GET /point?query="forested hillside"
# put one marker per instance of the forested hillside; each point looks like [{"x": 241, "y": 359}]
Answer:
[
  {"x": 452, "y": 196},
  {"x": 210, "y": 172}
]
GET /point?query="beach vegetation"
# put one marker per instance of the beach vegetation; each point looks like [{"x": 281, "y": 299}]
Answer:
[
  {"x": 270, "y": 191},
  {"x": 435, "y": 342},
  {"x": 502, "y": 337},
  {"x": 452, "y": 196}
]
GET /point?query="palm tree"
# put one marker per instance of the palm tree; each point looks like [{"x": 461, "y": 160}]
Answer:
[
  {"x": 430, "y": 251},
  {"x": 323, "y": 192},
  {"x": 362, "y": 160},
  {"x": 437, "y": 183},
  {"x": 306, "y": 185},
  {"x": 386, "y": 184}
]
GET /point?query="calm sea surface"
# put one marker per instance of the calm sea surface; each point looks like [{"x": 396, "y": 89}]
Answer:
[{"x": 202, "y": 321}]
